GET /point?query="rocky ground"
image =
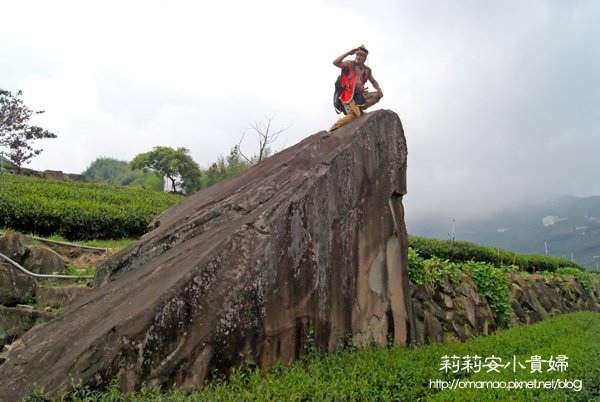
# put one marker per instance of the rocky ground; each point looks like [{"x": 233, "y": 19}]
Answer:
[{"x": 26, "y": 301}]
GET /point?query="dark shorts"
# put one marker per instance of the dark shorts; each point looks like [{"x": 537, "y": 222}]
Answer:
[{"x": 359, "y": 98}]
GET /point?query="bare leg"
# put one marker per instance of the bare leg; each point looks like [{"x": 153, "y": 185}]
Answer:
[{"x": 370, "y": 99}]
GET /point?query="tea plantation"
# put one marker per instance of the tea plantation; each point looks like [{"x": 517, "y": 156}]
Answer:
[{"x": 78, "y": 210}]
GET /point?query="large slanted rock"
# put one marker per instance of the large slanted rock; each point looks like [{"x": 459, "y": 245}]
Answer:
[
  {"x": 310, "y": 241},
  {"x": 59, "y": 296}
]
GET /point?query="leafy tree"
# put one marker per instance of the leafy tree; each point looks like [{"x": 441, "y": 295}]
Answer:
[
  {"x": 175, "y": 164},
  {"x": 149, "y": 181},
  {"x": 15, "y": 134},
  {"x": 119, "y": 172},
  {"x": 111, "y": 170},
  {"x": 225, "y": 168}
]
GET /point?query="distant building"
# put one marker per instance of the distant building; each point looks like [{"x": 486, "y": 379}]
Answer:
[
  {"x": 168, "y": 186},
  {"x": 552, "y": 220}
]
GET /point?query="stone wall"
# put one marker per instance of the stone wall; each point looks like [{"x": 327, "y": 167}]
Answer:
[
  {"x": 458, "y": 311},
  {"x": 535, "y": 297},
  {"x": 46, "y": 174}
]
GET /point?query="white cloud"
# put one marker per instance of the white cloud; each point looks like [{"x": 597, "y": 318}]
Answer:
[{"x": 498, "y": 101}]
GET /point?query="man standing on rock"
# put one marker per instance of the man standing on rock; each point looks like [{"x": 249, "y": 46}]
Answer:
[{"x": 354, "y": 96}]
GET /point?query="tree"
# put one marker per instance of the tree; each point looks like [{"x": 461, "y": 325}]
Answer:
[
  {"x": 175, "y": 164},
  {"x": 265, "y": 135},
  {"x": 111, "y": 170},
  {"x": 225, "y": 168},
  {"x": 15, "y": 134},
  {"x": 119, "y": 173}
]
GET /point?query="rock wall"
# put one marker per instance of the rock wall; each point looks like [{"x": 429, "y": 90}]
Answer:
[
  {"x": 459, "y": 311},
  {"x": 453, "y": 311},
  {"x": 310, "y": 242},
  {"x": 535, "y": 297},
  {"x": 46, "y": 174}
]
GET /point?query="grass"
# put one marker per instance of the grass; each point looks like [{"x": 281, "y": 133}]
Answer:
[
  {"x": 115, "y": 243},
  {"x": 405, "y": 374},
  {"x": 118, "y": 243}
]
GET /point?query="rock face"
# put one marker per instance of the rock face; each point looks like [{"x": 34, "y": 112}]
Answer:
[
  {"x": 14, "y": 246},
  {"x": 15, "y": 321},
  {"x": 459, "y": 310},
  {"x": 37, "y": 259},
  {"x": 535, "y": 297},
  {"x": 60, "y": 296},
  {"x": 309, "y": 243},
  {"x": 15, "y": 287},
  {"x": 455, "y": 311},
  {"x": 42, "y": 260}
]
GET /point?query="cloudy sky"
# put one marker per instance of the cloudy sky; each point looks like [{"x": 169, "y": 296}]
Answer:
[{"x": 499, "y": 99}]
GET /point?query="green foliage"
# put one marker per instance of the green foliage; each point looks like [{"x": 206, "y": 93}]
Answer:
[
  {"x": 78, "y": 211},
  {"x": 404, "y": 374},
  {"x": 149, "y": 181},
  {"x": 16, "y": 135},
  {"x": 80, "y": 269},
  {"x": 431, "y": 272},
  {"x": 588, "y": 280},
  {"x": 416, "y": 271},
  {"x": 175, "y": 164},
  {"x": 118, "y": 172},
  {"x": 436, "y": 269},
  {"x": 465, "y": 251},
  {"x": 493, "y": 283},
  {"x": 225, "y": 168},
  {"x": 101, "y": 243}
]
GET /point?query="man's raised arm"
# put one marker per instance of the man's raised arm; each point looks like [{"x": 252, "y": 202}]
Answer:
[{"x": 339, "y": 62}]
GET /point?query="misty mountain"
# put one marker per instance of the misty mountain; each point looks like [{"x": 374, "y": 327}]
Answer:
[{"x": 565, "y": 226}]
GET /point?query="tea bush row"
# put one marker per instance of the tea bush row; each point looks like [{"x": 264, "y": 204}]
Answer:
[
  {"x": 459, "y": 251},
  {"x": 77, "y": 210}
]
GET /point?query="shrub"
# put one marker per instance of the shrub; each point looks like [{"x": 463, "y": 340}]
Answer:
[{"x": 495, "y": 286}]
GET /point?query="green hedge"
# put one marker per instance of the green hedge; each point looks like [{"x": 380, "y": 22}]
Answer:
[
  {"x": 77, "y": 211},
  {"x": 459, "y": 251}
]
